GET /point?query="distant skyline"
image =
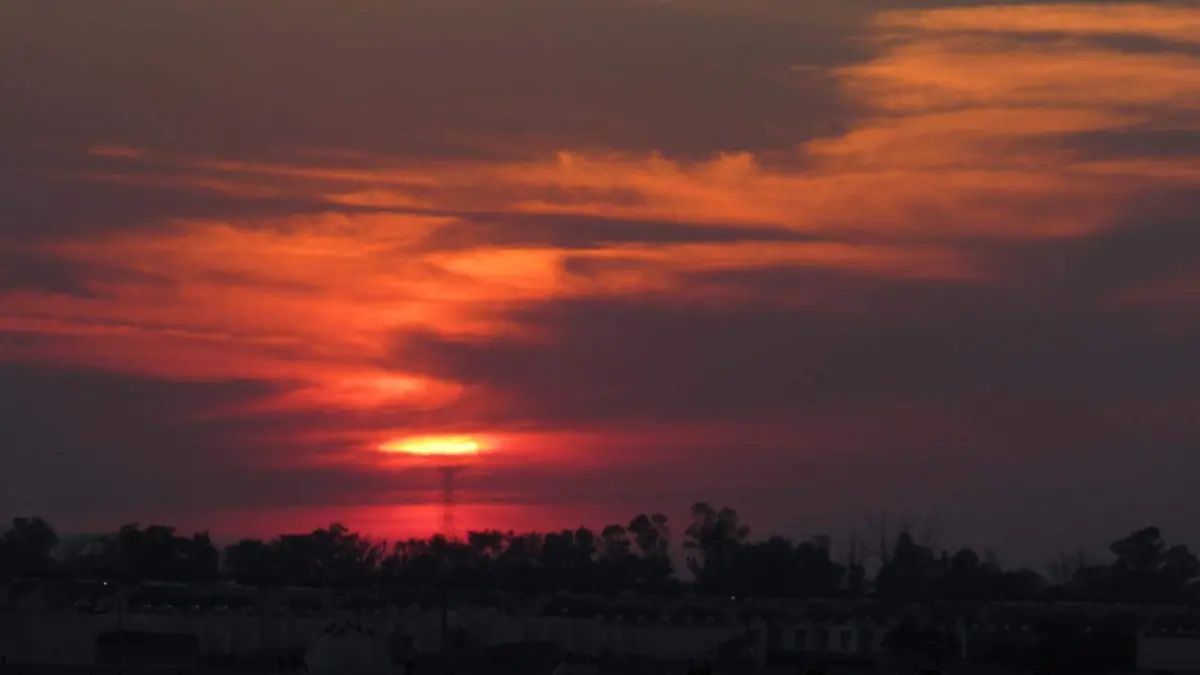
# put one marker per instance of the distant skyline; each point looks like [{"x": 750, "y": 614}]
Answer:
[{"x": 810, "y": 260}]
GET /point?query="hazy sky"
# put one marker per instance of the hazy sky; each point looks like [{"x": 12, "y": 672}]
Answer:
[{"x": 809, "y": 259}]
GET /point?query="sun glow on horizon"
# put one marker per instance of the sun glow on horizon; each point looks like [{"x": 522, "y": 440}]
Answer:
[{"x": 434, "y": 446}]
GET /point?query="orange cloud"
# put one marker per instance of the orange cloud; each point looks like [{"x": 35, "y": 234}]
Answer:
[
  {"x": 282, "y": 299},
  {"x": 1179, "y": 23},
  {"x": 967, "y": 139}
]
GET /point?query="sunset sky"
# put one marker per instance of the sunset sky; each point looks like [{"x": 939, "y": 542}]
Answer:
[{"x": 810, "y": 259}]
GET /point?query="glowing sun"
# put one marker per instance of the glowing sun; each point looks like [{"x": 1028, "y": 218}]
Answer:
[{"x": 434, "y": 446}]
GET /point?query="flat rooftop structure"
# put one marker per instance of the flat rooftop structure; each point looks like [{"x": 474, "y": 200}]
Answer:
[{"x": 1162, "y": 652}]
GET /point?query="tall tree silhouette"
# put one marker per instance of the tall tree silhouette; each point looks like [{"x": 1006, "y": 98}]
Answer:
[
  {"x": 716, "y": 535},
  {"x": 1146, "y": 568},
  {"x": 26, "y": 547},
  {"x": 654, "y": 568},
  {"x": 1140, "y": 552},
  {"x": 157, "y": 553},
  {"x": 907, "y": 574},
  {"x": 251, "y": 562}
]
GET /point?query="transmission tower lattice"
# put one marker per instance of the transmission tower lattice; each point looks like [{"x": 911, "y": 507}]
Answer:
[{"x": 448, "y": 529}]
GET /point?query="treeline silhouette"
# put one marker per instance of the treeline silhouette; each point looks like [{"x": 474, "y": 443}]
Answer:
[{"x": 722, "y": 558}]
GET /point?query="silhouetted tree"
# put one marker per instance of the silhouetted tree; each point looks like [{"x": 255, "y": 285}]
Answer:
[
  {"x": 157, "y": 553},
  {"x": 1179, "y": 566},
  {"x": 251, "y": 562},
  {"x": 1147, "y": 569},
  {"x": 26, "y": 547},
  {"x": 203, "y": 560},
  {"x": 94, "y": 558},
  {"x": 965, "y": 578},
  {"x": 717, "y": 536},
  {"x": 616, "y": 559},
  {"x": 567, "y": 560},
  {"x": 518, "y": 562},
  {"x": 777, "y": 567},
  {"x": 654, "y": 570},
  {"x": 907, "y": 574},
  {"x": 1140, "y": 552},
  {"x": 622, "y": 558}
]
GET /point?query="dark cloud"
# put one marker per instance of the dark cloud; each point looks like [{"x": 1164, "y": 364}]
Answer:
[
  {"x": 80, "y": 439},
  {"x": 965, "y": 404},
  {"x": 584, "y": 232},
  {"x": 229, "y": 78},
  {"x": 1136, "y": 143},
  {"x": 39, "y": 206},
  {"x": 615, "y": 361},
  {"x": 1155, "y": 241},
  {"x": 116, "y": 446},
  {"x": 24, "y": 270}
]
